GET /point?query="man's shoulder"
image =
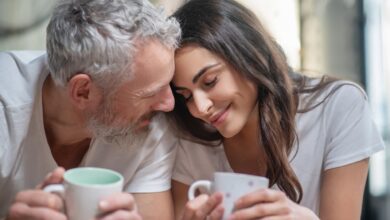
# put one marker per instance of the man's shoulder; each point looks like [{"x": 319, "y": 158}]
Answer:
[
  {"x": 17, "y": 60},
  {"x": 21, "y": 73},
  {"x": 24, "y": 56}
]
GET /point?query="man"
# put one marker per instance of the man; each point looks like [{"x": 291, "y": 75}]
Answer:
[{"x": 109, "y": 64}]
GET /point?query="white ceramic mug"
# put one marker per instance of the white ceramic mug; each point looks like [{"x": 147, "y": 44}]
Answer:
[
  {"x": 84, "y": 187},
  {"x": 231, "y": 185}
]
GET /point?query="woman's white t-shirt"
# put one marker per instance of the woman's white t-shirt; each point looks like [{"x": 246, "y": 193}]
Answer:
[{"x": 338, "y": 132}]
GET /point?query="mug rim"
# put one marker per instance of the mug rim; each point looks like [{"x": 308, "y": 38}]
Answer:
[
  {"x": 240, "y": 174},
  {"x": 99, "y": 169}
]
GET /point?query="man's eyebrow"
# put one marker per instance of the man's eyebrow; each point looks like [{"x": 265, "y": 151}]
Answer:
[
  {"x": 149, "y": 91},
  {"x": 202, "y": 71}
]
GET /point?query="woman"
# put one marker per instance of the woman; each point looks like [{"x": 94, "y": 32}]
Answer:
[{"x": 235, "y": 92}]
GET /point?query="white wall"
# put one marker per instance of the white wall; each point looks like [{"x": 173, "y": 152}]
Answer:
[
  {"x": 23, "y": 23},
  {"x": 281, "y": 18}
]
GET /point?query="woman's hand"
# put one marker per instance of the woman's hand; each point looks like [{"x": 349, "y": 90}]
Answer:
[
  {"x": 204, "y": 207},
  {"x": 267, "y": 204}
]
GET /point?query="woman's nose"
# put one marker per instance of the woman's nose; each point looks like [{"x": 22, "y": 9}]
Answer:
[{"x": 202, "y": 104}]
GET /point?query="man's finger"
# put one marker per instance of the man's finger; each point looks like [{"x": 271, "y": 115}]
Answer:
[
  {"x": 122, "y": 214},
  {"x": 53, "y": 178},
  {"x": 117, "y": 201},
  {"x": 21, "y": 211},
  {"x": 38, "y": 198}
]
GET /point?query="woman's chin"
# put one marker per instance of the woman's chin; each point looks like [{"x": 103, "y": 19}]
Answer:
[{"x": 227, "y": 133}]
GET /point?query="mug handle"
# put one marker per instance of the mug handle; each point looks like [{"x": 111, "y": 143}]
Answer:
[
  {"x": 205, "y": 184},
  {"x": 58, "y": 189}
]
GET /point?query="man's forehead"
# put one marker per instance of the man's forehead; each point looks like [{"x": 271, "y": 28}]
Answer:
[
  {"x": 152, "y": 67},
  {"x": 145, "y": 84},
  {"x": 150, "y": 50}
]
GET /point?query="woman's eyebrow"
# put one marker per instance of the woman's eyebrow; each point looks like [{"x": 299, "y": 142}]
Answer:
[{"x": 202, "y": 71}]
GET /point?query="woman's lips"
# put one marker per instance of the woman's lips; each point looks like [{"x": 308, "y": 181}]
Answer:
[{"x": 220, "y": 117}]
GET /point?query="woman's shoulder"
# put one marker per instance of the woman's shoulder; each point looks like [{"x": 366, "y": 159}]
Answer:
[
  {"x": 340, "y": 92},
  {"x": 196, "y": 161},
  {"x": 344, "y": 87}
]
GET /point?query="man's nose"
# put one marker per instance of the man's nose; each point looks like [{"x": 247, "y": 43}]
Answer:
[{"x": 165, "y": 101}]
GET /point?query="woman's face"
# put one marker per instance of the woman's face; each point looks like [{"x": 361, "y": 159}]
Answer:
[{"x": 213, "y": 90}]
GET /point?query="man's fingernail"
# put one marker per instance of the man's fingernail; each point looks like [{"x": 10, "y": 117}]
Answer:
[
  {"x": 51, "y": 202},
  {"x": 48, "y": 175},
  {"x": 103, "y": 204}
]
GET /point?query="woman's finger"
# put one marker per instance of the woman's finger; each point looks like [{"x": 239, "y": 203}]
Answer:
[
  {"x": 208, "y": 207},
  {"x": 261, "y": 210},
  {"x": 217, "y": 213},
  {"x": 284, "y": 217},
  {"x": 260, "y": 196},
  {"x": 193, "y": 205}
]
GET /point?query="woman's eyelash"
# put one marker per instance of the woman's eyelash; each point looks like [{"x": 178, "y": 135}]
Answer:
[
  {"x": 206, "y": 83},
  {"x": 210, "y": 83}
]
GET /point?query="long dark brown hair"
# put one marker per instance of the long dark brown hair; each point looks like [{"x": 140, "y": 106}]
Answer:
[{"x": 234, "y": 33}]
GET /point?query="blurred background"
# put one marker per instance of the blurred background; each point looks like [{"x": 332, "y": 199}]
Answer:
[{"x": 349, "y": 39}]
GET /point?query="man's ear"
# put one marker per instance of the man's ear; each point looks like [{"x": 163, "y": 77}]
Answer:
[{"x": 82, "y": 90}]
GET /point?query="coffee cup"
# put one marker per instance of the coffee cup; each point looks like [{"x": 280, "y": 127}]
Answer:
[
  {"x": 231, "y": 185},
  {"x": 83, "y": 188}
]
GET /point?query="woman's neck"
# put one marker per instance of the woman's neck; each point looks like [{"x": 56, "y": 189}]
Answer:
[{"x": 244, "y": 151}]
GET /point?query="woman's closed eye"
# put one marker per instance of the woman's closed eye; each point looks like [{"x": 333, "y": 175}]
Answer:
[
  {"x": 210, "y": 82},
  {"x": 207, "y": 83}
]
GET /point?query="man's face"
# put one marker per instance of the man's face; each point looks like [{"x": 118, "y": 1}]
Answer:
[{"x": 129, "y": 110}]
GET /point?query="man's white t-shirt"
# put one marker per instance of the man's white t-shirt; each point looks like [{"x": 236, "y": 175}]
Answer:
[
  {"x": 25, "y": 156},
  {"x": 336, "y": 133}
]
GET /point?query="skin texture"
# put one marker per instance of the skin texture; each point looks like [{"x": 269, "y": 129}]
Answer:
[
  {"x": 66, "y": 116},
  {"x": 221, "y": 89}
]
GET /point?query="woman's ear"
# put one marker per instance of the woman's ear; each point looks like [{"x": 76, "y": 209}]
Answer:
[{"x": 82, "y": 91}]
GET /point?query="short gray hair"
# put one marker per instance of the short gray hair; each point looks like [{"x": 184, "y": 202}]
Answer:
[{"x": 100, "y": 37}]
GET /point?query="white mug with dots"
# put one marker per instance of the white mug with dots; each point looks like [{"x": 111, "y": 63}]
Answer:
[{"x": 231, "y": 185}]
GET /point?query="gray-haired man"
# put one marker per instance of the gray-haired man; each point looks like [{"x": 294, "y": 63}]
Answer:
[{"x": 109, "y": 64}]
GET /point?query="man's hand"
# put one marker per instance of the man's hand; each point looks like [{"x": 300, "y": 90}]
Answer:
[
  {"x": 37, "y": 204},
  {"x": 120, "y": 206}
]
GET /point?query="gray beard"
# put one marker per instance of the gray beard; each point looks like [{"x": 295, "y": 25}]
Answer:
[
  {"x": 124, "y": 136},
  {"x": 103, "y": 125}
]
